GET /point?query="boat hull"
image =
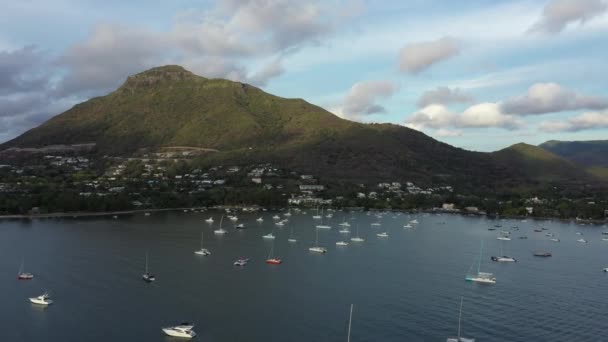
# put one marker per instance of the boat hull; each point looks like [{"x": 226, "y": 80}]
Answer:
[{"x": 174, "y": 333}]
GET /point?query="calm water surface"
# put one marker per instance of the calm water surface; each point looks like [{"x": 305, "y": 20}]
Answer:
[{"x": 405, "y": 288}]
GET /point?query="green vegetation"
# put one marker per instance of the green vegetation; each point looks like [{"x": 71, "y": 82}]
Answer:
[{"x": 593, "y": 153}]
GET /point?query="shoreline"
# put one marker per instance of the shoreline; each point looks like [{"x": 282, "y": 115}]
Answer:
[{"x": 257, "y": 207}]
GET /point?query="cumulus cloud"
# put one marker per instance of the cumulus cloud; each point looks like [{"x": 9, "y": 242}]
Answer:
[
  {"x": 557, "y": 14},
  {"x": 482, "y": 115},
  {"x": 267, "y": 72},
  {"x": 20, "y": 70},
  {"x": 581, "y": 122},
  {"x": 416, "y": 57},
  {"x": 362, "y": 98},
  {"x": 544, "y": 98},
  {"x": 443, "y": 95}
]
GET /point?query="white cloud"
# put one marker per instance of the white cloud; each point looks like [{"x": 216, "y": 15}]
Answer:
[
  {"x": 544, "y": 98},
  {"x": 442, "y": 132},
  {"x": 482, "y": 115},
  {"x": 581, "y": 122},
  {"x": 362, "y": 98},
  {"x": 443, "y": 95},
  {"x": 416, "y": 57},
  {"x": 558, "y": 14}
]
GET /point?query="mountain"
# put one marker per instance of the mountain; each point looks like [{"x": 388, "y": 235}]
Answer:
[
  {"x": 170, "y": 106},
  {"x": 592, "y": 153}
]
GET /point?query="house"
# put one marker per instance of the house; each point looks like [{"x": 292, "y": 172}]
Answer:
[
  {"x": 447, "y": 206},
  {"x": 472, "y": 209}
]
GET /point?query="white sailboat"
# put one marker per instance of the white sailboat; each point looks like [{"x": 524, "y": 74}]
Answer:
[
  {"x": 316, "y": 247},
  {"x": 323, "y": 226},
  {"x": 220, "y": 230},
  {"x": 357, "y": 238},
  {"x": 147, "y": 276},
  {"x": 317, "y": 216},
  {"x": 460, "y": 338},
  {"x": 481, "y": 277},
  {"x": 291, "y": 238},
  {"x": 202, "y": 251},
  {"x": 22, "y": 275}
]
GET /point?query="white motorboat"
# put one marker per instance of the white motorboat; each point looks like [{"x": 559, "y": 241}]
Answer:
[
  {"x": 259, "y": 219},
  {"x": 341, "y": 243},
  {"x": 581, "y": 240},
  {"x": 209, "y": 220},
  {"x": 414, "y": 221},
  {"x": 233, "y": 218},
  {"x": 323, "y": 226},
  {"x": 554, "y": 240},
  {"x": 241, "y": 262},
  {"x": 503, "y": 238},
  {"x": 292, "y": 240},
  {"x": 276, "y": 217},
  {"x": 287, "y": 214},
  {"x": 202, "y": 251},
  {"x": 43, "y": 299},
  {"x": 460, "y": 338},
  {"x": 280, "y": 223},
  {"x": 240, "y": 226},
  {"x": 269, "y": 236},
  {"x": 375, "y": 224},
  {"x": 183, "y": 330},
  {"x": 344, "y": 231},
  {"x": 383, "y": 234},
  {"x": 503, "y": 258},
  {"x": 408, "y": 226}
]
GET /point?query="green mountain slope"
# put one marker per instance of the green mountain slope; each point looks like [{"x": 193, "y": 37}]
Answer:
[
  {"x": 169, "y": 106},
  {"x": 593, "y": 153}
]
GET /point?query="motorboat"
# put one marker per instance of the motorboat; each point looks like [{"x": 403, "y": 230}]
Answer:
[
  {"x": 280, "y": 223},
  {"x": 383, "y": 234},
  {"x": 503, "y": 258},
  {"x": 542, "y": 254},
  {"x": 240, "y": 226},
  {"x": 318, "y": 249},
  {"x": 581, "y": 240},
  {"x": 241, "y": 262},
  {"x": 43, "y": 299},
  {"x": 341, "y": 243},
  {"x": 323, "y": 226},
  {"x": 276, "y": 217},
  {"x": 408, "y": 226},
  {"x": 259, "y": 219},
  {"x": 503, "y": 238},
  {"x": 376, "y": 224},
  {"x": 554, "y": 239},
  {"x": 357, "y": 239},
  {"x": 209, "y": 220},
  {"x": 344, "y": 231},
  {"x": 269, "y": 236},
  {"x": 233, "y": 218},
  {"x": 414, "y": 221},
  {"x": 182, "y": 330}
]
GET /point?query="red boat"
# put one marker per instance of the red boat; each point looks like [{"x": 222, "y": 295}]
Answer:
[{"x": 274, "y": 261}]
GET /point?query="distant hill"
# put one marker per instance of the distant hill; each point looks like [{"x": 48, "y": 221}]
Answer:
[
  {"x": 170, "y": 106},
  {"x": 591, "y": 153}
]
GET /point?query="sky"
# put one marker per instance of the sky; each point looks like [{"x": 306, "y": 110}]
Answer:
[{"x": 478, "y": 74}]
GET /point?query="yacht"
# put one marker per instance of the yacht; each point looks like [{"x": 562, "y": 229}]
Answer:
[
  {"x": 22, "y": 275},
  {"x": 147, "y": 276},
  {"x": 43, "y": 299},
  {"x": 220, "y": 230},
  {"x": 183, "y": 330},
  {"x": 241, "y": 262},
  {"x": 554, "y": 239},
  {"x": 460, "y": 338},
  {"x": 202, "y": 251},
  {"x": 357, "y": 238},
  {"x": 503, "y": 238},
  {"x": 408, "y": 226},
  {"x": 481, "y": 277},
  {"x": 341, "y": 243},
  {"x": 209, "y": 220},
  {"x": 383, "y": 234},
  {"x": 581, "y": 240},
  {"x": 240, "y": 226}
]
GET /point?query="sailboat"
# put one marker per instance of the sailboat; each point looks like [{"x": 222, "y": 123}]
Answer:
[
  {"x": 481, "y": 277},
  {"x": 271, "y": 259},
  {"x": 322, "y": 226},
  {"x": 316, "y": 247},
  {"x": 147, "y": 276},
  {"x": 209, "y": 220},
  {"x": 460, "y": 338},
  {"x": 291, "y": 238},
  {"x": 504, "y": 258},
  {"x": 202, "y": 251},
  {"x": 357, "y": 238},
  {"x": 317, "y": 216},
  {"x": 344, "y": 223},
  {"x": 220, "y": 230},
  {"x": 24, "y": 275}
]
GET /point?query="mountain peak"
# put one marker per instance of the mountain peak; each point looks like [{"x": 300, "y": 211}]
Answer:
[{"x": 154, "y": 76}]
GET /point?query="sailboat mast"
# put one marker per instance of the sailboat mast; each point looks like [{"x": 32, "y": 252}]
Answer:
[
  {"x": 201, "y": 240},
  {"x": 317, "y": 238},
  {"x": 146, "y": 262},
  {"x": 480, "y": 255},
  {"x": 459, "y": 317},
  {"x": 350, "y": 319}
]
